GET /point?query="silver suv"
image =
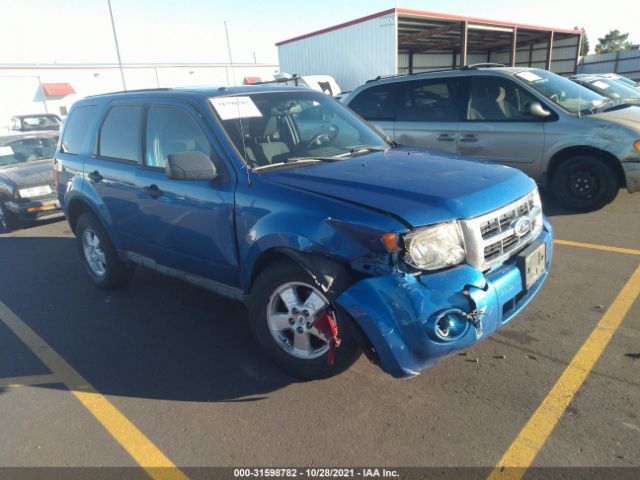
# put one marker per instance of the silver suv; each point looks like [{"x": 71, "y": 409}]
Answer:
[{"x": 580, "y": 145}]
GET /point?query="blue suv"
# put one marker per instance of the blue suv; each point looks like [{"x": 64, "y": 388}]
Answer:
[{"x": 338, "y": 240}]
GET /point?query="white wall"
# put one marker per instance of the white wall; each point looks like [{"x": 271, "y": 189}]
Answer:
[
  {"x": 20, "y": 90},
  {"x": 352, "y": 55}
]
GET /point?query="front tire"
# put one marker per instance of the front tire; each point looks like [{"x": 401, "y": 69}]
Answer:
[
  {"x": 99, "y": 256},
  {"x": 584, "y": 183},
  {"x": 7, "y": 222},
  {"x": 283, "y": 304}
]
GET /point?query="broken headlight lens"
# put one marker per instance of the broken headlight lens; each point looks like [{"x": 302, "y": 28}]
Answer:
[{"x": 436, "y": 247}]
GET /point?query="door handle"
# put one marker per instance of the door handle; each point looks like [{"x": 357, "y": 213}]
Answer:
[
  {"x": 469, "y": 138},
  {"x": 153, "y": 191},
  {"x": 95, "y": 176},
  {"x": 445, "y": 137}
]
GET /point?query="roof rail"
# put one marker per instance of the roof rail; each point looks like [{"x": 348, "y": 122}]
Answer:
[
  {"x": 384, "y": 77},
  {"x": 483, "y": 65},
  {"x": 295, "y": 78},
  {"x": 164, "y": 89}
]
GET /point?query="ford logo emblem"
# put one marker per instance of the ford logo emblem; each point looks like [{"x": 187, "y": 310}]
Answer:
[{"x": 522, "y": 226}]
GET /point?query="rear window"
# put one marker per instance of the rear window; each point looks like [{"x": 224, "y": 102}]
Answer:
[
  {"x": 120, "y": 133},
  {"x": 376, "y": 103},
  {"x": 76, "y": 128}
]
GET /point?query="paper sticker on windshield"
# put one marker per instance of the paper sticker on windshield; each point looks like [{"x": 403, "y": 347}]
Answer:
[
  {"x": 6, "y": 150},
  {"x": 232, "y": 108},
  {"x": 600, "y": 84},
  {"x": 529, "y": 76}
]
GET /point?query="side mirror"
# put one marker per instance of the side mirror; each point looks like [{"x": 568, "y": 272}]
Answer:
[
  {"x": 190, "y": 166},
  {"x": 538, "y": 110}
]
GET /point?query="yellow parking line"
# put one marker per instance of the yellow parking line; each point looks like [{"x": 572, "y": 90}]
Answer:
[
  {"x": 524, "y": 449},
  {"x": 143, "y": 451},
  {"x": 592, "y": 246},
  {"x": 28, "y": 380}
]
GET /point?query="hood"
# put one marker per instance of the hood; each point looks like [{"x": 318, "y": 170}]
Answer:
[
  {"x": 628, "y": 117},
  {"x": 420, "y": 187},
  {"x": 29, "y": 174}
]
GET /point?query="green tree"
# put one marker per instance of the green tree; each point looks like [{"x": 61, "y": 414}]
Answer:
[
  {"x": 614, "y": 41},
  {"x": 584, "y": 48}
]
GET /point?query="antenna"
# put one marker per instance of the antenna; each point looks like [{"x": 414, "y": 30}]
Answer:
[{"x": 233, "y": 74}]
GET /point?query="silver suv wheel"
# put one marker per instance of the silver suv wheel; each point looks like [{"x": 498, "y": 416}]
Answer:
[{"x": 291, "y": 312}]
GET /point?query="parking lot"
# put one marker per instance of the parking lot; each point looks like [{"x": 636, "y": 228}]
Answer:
[{"x": 166, "y": 374}]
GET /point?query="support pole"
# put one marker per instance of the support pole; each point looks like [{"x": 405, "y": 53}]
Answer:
[
  {"x": 549, "y": 51},
  {"x": 115, "y": 39},
  {"x": 514, "y": 46},
  {"x": 463, "y": 43}
]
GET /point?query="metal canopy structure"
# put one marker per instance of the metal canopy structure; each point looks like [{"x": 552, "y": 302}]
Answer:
[
  {"x": 466, "y": 38},
  {"x": 401, "y": 41}
]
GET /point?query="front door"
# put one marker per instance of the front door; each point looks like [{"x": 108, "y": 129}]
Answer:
[
  {"x": 497, "y": 125},
  {"x": 188, "y": 224}
]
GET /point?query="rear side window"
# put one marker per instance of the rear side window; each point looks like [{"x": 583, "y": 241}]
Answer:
[
  {"x": 120, "y": 133},
  {"x": 376, "y": 103},
  {"x": 428, "y": 101},
  {"x": 76, "y": 128}
]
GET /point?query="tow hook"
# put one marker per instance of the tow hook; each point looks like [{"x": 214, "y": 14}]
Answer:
[
  {"x": 475, "y": 317},
  {"x": 326, "y": 325}
]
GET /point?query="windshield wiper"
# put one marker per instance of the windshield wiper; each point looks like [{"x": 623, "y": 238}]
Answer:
[
  {"x": 293, "y": 161},
  {"x": 355, "y": 150}
]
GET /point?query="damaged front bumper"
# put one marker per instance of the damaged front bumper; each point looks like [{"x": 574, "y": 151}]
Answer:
[
  {"x": 631, "y": 169},
  {"x": 412, "y": 321}
]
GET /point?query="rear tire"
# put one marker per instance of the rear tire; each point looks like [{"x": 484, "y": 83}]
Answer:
[
  {"x": 584, "y": 183},
  {"x": 99, "y": 256},
  {"x": 303, "y": 358}
]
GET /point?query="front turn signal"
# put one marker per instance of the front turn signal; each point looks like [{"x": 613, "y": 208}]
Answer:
[{"x": 390, "y": 242}]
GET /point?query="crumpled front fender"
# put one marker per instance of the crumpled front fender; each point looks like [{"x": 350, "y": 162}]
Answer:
[{"x": 397, "y": 312}]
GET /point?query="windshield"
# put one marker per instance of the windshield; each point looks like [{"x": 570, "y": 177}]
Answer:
[
  {"x": 40, "y": 122},
  {"x": 563, "y": 92},
  {"x": 614, "y": 89},
  {"x": 282, "y": 127},
  {"x": 20, "y": 150}
]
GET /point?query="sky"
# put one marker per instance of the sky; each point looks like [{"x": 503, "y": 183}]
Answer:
[{"x": 157, "y": 31}]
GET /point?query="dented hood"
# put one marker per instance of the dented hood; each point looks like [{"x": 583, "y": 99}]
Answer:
[{"x": 421, "y": 187}]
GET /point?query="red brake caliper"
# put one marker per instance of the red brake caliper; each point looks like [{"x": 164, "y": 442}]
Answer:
[{"x": 325, "y": 323}]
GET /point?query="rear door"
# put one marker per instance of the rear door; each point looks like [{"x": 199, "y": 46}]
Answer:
[
  {"x": 428, "y": 114},
  {"x": 110, "y": 170},
  {"x": 185, "y": 224},
  {"x": 497, "y": 125}
]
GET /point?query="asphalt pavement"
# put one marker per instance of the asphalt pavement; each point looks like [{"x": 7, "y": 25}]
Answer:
[{"x": 88, "y": 377}]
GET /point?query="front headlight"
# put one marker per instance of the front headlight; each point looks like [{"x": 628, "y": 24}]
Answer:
[
  {"x": 35, "y": 191},
  {"x": 436, "y": 247}
]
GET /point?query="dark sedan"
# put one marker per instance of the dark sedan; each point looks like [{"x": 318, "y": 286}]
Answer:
[{"x": 26, "y": 179}]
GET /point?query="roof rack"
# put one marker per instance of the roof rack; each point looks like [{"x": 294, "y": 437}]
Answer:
[
  {"x": 476, "y": 66},
  {"x": 384, "y": 77},
  {"x": 164, "y": 89},
  {"x": 295, "y": 78}
]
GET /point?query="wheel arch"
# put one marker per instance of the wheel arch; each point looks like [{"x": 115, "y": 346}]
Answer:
[
  {"x": 572, "y": 151},
  {"x": 322, "y": 269}
]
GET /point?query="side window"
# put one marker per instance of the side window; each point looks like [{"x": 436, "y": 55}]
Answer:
[
  {"x": 76, "y": 128},
  {"x": 172, "y": 130},
  {"x": 430, "y": 101},
  {"x": 376, "y": 103},
  {"x": 120, "y": 133},
  {"x": 497, "y": 99}
]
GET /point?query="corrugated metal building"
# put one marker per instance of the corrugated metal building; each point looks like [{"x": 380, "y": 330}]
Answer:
[
  {"x": 625, "y": 62},
  {"x": 399, "y": 40}
]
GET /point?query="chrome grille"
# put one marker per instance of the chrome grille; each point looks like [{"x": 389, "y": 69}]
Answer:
[{"x": 491, "y": 238}]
